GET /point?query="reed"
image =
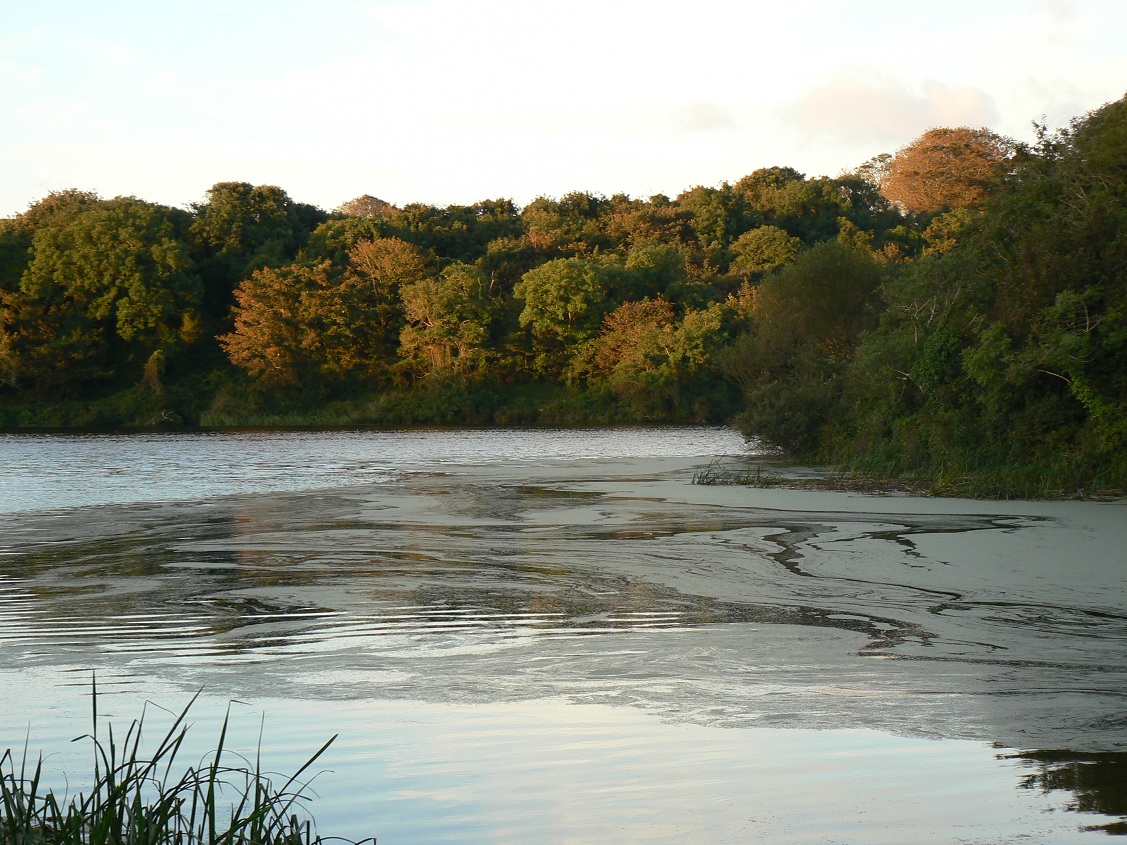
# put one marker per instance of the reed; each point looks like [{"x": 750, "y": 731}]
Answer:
[
  {"x": 151, "y": 799},
  {"x": 716, "y": 473}
]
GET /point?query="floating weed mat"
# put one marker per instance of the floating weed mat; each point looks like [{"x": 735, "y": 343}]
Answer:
[
  {"x": 139, "y": 799},
  {"x": 718, "y": 474}
]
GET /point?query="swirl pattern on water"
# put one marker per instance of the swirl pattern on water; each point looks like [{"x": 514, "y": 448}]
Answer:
[{"x": 559, "y": 616}]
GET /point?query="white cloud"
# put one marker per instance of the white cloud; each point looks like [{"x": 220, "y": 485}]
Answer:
[
  {"x": 861, "y": 106},
  {"x": 447, "y": 101},
  {"x": 1060, "y": 12},
  {"x": 703, "y": 117}
]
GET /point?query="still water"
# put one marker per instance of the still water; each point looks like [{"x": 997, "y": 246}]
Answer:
[{"x": 529, "y": 636}]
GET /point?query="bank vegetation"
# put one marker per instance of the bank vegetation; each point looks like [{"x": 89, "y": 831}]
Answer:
[{"x": 952, "y": 312}]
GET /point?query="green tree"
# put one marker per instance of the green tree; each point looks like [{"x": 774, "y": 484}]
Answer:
[
  {"x": 458, "y": 232},
  {"x": 815, "y": 209},
  {"x": 242, "y": 228},
  {"x": 718, "y": 214},
  {"x": 761, "y": 190},
  {"x": 656, "y": 269},
  {"x": 806, "y": 319},
  {"x": 108, "y": 285},
  {"x": 569, "y": 225},
  {"x": 1006, "y": 349},
  {"x": 332, "y": 240},
  {"x": 651, "y": 359},
  {"x": 564, "y": 303},
  {"x": 447, "y": 323},
  {"x": 56, "y": 205},
  {"x": 15, "y": 254},
  {"x": 762, "y": 250},
  {"x": 16, "y": 233}
]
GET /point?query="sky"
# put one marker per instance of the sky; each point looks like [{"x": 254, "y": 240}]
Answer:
[{"x": 455, "y": 101}]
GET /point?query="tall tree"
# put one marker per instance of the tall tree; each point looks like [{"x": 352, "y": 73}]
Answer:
[
  {"x": 275, "y": 337},
  {"x": 564, "y": 303},
  {"x": 447, "y": 323},
  {"x": 806, "y": 319},
  {"x": 242, "y": 228},
  {"x": 361, "y": 318},
  {"x": 947, "y": 169},
  {"x": 108, "y": 285}
]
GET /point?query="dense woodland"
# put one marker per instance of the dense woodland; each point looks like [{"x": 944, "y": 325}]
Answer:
[{"x": 956, "y": 310}]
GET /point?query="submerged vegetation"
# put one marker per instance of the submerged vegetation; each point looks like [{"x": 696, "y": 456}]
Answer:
[
  {"x": 144, "y": 799},
  {"x": 954, "y": 313}
]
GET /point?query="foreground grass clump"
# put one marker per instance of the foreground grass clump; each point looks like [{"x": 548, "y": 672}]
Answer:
[{"x": 139, "y": 799}]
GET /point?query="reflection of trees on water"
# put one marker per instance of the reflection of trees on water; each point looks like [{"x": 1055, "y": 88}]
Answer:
[{"x": 1098, "y": 782}]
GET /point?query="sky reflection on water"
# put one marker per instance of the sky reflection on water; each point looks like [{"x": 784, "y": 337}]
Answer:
[
  {"x": 43, "y": 471},
  {"x": 518, "y": 652}
]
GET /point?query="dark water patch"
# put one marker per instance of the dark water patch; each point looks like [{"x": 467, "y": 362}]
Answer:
[{"x": 1097, "y": 783}]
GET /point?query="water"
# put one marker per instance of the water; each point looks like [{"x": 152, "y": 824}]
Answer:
[
  {"x": 60, "y": 471},
  {"x": 551, "y": 636}
]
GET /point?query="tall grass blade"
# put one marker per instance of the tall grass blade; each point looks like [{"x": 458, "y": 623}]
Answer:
[{"x": 136, "y": 800}]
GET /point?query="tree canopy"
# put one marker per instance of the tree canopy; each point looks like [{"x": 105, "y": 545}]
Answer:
[
  {"x": 958, "y": 303},
  {"x": 946, "y": 169}
]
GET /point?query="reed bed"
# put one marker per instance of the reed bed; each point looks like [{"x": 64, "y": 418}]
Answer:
[{"x": 140, "y": 798}]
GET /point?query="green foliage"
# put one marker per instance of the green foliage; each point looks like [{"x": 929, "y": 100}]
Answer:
[
  {"x": 717, "y": 214},
  {"x": 813, "y": 209},
  {"x": 987, "y": 340},
  {"x": 459, "y": 233},
  {"x": 568, "y": 226},
  {"x": 332, "y": 240},
  {"x": 15, "y": 254},
  {"x": 806, "y": 319},
  {"x": 763, "y": 249},
  {"x": 650, "y": 359},
  {"x": 564, "y": 303},
  {"x": 1001, "y": 357},
  {"x": 144, "y": 798},
  {"x": 106, "y": 285},
  {"x": 447, "y": 323},
  {"x": 242, "y": 228}
]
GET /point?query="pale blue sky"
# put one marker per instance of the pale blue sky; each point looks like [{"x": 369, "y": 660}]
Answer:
[{"x": 452, "y": 101}]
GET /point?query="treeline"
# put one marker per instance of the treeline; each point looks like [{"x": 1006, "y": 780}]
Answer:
[
  {"x": 994, "y": 363},
  {"x": 955, "y": 308},
  {"x": 577, "y": 309}
]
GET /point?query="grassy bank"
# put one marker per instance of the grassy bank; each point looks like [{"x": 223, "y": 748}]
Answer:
[{"x": 224, "y": 400}]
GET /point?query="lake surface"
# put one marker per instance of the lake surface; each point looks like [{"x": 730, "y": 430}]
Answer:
[{"x": 529, "y": 636}]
